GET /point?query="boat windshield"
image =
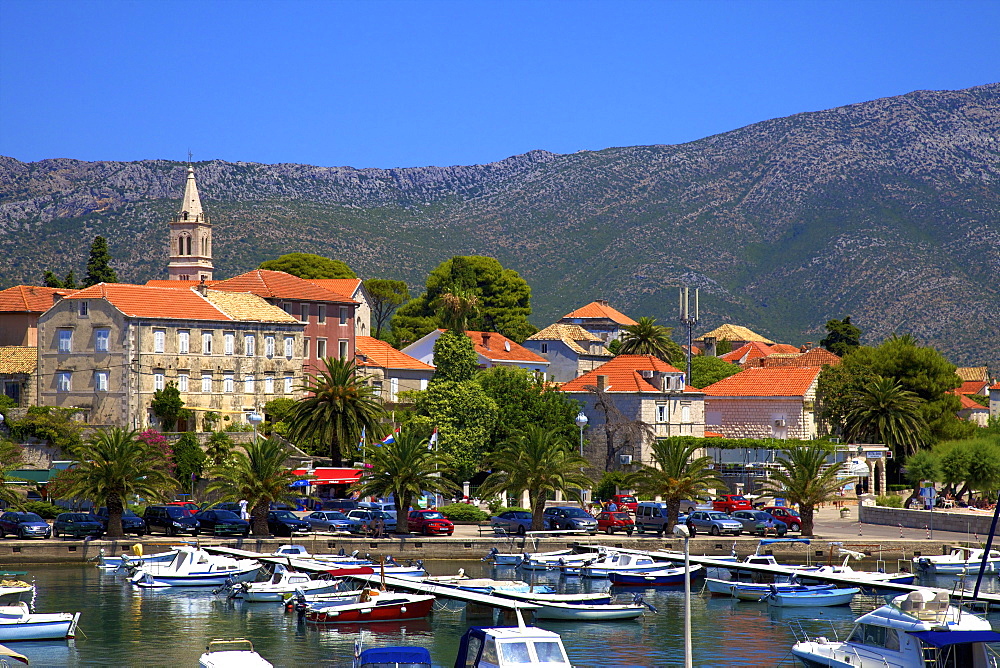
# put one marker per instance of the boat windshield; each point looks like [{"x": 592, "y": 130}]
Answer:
[{"x": 875, "y": 636}]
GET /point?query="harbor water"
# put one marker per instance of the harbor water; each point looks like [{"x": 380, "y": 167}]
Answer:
[{"x": 123, "y": 625}]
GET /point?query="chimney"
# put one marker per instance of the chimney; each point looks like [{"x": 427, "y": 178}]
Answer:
[
  {"x": 56, "y": 297},
  {"x": 202, "y": 288},
  {"x": 602, "y": 302},
  {"x": 709, "y": 346},
  {"x": 486, "y": 340},
  {"x": 602, "y": 383}
]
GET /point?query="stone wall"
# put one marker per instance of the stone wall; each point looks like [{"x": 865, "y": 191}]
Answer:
[{"x": 932, "y": 519}]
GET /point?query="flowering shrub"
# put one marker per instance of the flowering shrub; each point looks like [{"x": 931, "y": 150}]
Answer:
[{"x": 160, "y": 447}]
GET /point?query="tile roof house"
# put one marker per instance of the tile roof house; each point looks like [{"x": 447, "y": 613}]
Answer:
[
  {"x": 390, "y": 371},
  {"x": 775, "y": 402},
  {"x": 973, "y": 411},
  {"x": 110, "y": 347},
  {"x": 973, "y": 373},
  {"x": 980, "y": 387},
  {"x": 20, "y": 307},
  {"x": 600, "y": 319},
  {"x": 355, "y": 289},
  {"x": 736, "y": 335},
  {"x": 817, "y": 357},
  {"x": 493, "y": 349},
  {"x": 17, "y": 373},
  {"x": 570, "y": 349},
  {"x": 747, "y": 352},
  {"x": 640, "y": 388}
]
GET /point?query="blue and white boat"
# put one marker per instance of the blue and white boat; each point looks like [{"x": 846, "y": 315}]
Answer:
[
  {"x": 618, "y": 562},
  {"x": 17, "y": 622},
  {"x": 961, "y": 560},
  {"x": 194, "y": 567},
  {"x": 750, "y": 591},
  {"x": 662, "y": 577},
  {"x": 380, "y": 657},
  {"x": 511, "y": 647},
  {"x": 812, "y": 598}
]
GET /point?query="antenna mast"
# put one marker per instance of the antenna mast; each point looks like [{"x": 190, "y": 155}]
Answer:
[{"x": 690, "y": 320}]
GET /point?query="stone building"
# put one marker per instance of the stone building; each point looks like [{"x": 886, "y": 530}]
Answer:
[
  {"x": 108, "y": 348},
  {"x": 776, "y": 402},
  {"x": 190, "y": 238},
  {"x": 600, "y": 319},
  {"x": 570, "y": 349}
]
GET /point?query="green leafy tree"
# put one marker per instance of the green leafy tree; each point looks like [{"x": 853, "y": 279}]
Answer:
[
  {"x": 707, "y": 370},
  {"x": 114, "y": 466},
  {"x": 70, "y": 281},
  {"x": 465, "y": 418},
  {"x": 276, "y": 414},
  {"x": 801, "y": 478},
  {"x": 610, "y": 483},
  {"x": 834, "y": 392},
  {"x": 504, "y": 300},
  {"x": 723, "y": 347},
  {"x": 50, "y": 280},
  {"x": 55, "y": 425},
  {"x": 189, "y": 458},
  {"x": 676, "y": 475},
  {"x": 337, "y": 406},
  {"x": 954, "y": 459},
  {"x": 99, "y": 264},
  {"x": 11, "y": 458},
  {"x": 524, "y": 399},
  {"x": 842, "y": 337},
  {"x": 259, "y": 475},
  {"x": 647, "y": 338},
  {"x": 455, "y": 357},
  {"x": 6, "y": 403},
  {"x": 984, "y": 467},
  {"x": 539, "y": 461},
  {"x": 168, "y": 406},
  {"x": 309, "y": 266},
  {"x": 883, "y": 412},
  {"x": 405, "y": 469},
  {"x": 455, "y": 307},
  {"x": 385, "y": 296},
  {"x": 921, "y": 465},
  {"x": 614, "y": 347},
  {"x": 219, "y": 446}
]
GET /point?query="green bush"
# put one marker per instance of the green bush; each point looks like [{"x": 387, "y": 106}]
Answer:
[
  {"x": 609, "y": 484},
  {"x": 899, "y": 488},
  {"x": 45, "y": 509},
  {"x": 889, "y": 501},
  {"x": 463, "y": 512}
]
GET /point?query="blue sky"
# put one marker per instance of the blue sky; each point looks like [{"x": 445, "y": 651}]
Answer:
[{"x": 398, "y": 84}]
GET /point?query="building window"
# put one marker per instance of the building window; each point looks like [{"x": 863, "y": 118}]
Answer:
[
  {"x": 229, "y": 342},
  {"x": 289, "y": 347},
  {"x": 288, "y": 383},
  {"x": 321, "y": 313},
  {"x": 228, "y": 382},
  {"x": 206, "y": 343},
  {"x": 206, "y": 383},
  {"x": 84, "y": 308},
  {"x": 661, "y": 413},
  {"x": 269, "y": 384},
  {"x": 64, "y": 381},
  {"x": 101, "y": 340},
  {"x": 250, "y": 344},
  {"x": 248, "y": 384},
  {"x": 423, "y": 384},
  {"x": 305, "y": 312},
  {"x": 305, "y": 348},
  {"x": 343, "y": 349},
  {"x": 544, "y": 348},
  {"x": 101, "y": 381},
  {"x": 320, "y": 348},
  {"x": 685, "y": 414},
  {"x": 65, "y": 340},
  {"x": 159, "y": 340},
  {"x": 183, "y": 342},
  {"x": 158, "y": 379},
  {"x": 269, "y": 346},
  {"x": 343, "y": 315},
  {"x": 377, "y": 386},
  {"x": 393, "y": 388},
  {"x": 182, "y": 381}
]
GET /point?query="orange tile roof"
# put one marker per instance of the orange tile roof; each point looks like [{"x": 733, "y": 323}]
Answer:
[
  {"x": 814, "y": 357},
  {"x": 18, "y": 359},
  {"x": 969, "y": 403},
  {"x": 29, "y": 298},
  {"x": 600, "y": 310},
  {"x": 279, "y": 285},
  {"x": 995, "y": 387},
  {"x": 143, "y": 301},
  {"x": 178, "y": 284},
  {"x": 785, "y": 348},
  {"x": 340, "y": 286},
  {"x": 497, "y": 347},
  {"x": 766, "y": 382},
  {"x": 372, "y": 352},
  {"x": 624, "y": 375},
  {"x": 973, "y": 387},
  {"x": 734, "y": 333},
  {"x": 749, "y": 351}
]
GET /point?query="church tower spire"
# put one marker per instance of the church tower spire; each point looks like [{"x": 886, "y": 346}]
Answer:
[{"x": 190, "y": 237}]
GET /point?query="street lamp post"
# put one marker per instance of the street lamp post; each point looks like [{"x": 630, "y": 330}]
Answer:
[
  {"x": 682, "y": 531},
  {"x": 581, "y": 422},
  {"x": 255, "y": 419}
]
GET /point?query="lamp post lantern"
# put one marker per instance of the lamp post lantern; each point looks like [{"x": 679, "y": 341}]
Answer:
[
  {"x": 255, "y": 419},
  {"x": 581, "y": 422}
]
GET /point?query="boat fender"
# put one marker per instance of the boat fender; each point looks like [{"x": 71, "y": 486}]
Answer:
[
  {"x": 403, "y": 609},
  {"x": 137, "y": 549}
]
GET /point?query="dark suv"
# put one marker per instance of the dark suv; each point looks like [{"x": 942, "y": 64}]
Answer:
[
  {"x": 23, "y": 525},
  {"x": 571, "y": 518},
  {"x": 285, "y": 523},
  {"x": 171, "y": 520},
  {"x": 131, "y": 523}
]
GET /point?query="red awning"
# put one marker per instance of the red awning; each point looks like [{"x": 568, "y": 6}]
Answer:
[{"x": 330, "y": 476}]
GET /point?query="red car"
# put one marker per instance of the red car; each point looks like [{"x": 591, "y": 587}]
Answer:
[
  {"x": 430, "y": 523},
  {"x": 610, "y": 522},
  {"x": 189, "y": 507},
  {"x": 625, "y": 502},
  {"x": 786, "y": 515}
]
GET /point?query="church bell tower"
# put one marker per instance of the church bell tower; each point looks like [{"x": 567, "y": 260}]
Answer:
[{"x": 190, "y": 238}]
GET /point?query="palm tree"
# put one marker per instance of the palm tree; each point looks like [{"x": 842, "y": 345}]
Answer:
[
  {"x": 404, "y": 469},
  {"x": 676, "y": 475},
  {"x": 802, "y": 479},
  {"x": 258, "y": 475},
  {"x": 337, "y": 407},
  {"x": 882, "y": 411},
  {"x": 11, "y": 457},
  {"x": 540, "y": 461},
  {"x": 455, "y": 307},
  {"x": 647, "y": 338},
  {"x": 115, "y": 465}
]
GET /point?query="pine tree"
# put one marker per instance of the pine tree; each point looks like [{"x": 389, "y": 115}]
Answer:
[
  {"x": 51, "y": 280},
  {"x": 70, "y": 281},
  {"x": 99, "y": 265}
]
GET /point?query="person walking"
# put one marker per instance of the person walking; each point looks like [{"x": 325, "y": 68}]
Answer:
[
  {"x": 379, "y": 527},
  {"x": 244, "y": 515}
]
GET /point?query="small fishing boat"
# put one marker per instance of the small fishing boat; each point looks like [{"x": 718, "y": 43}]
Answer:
[
  {"x": 583, "y": 612},
  {"x": 846, "y": 571},
  {"x": 391, "y": 657},
  {"x": 617, "y": 562},
  {"x": 281, "y": 584},
  {"x": 596, "y": 598},
  {"x": 812, "y": 598},
  {"x": 17, "y": 622},
  {"x": 663, "y": 577},
  {"x": 503, "y": 558},
  {"x": 558, "y": 560},
  {"x": 13, "y": 592},
  {"x": 750, "y": 591},
  {"x": 371, "y": 605},
  {"x": 959, "y": 561},
  {"x": 194, "y": 567},
  {"x": 235, "y": 653},
  {"x": 132, "y": 561}
]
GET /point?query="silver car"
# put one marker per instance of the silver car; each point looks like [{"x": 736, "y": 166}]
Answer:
[
  {"x": 512, "y": 521},
  {"x": 568, "y": 517},
  {"x": 713, "y": 522},
  {"x": 330, "y": 520}
]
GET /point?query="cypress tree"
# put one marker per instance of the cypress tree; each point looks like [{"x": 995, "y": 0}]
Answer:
[
  {"x": 99, "y": 265},
  {"x": 70, "y": 281}
]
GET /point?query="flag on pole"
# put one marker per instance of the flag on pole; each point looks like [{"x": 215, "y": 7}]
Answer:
[
  {"x": 361, "y": 443},
  {"x": 432, "y": 445},
  {"x": 391, "y": 438}
]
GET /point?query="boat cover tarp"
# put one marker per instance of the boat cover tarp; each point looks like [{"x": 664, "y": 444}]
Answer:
[
  {"x": 945, "y": 638},
  {"x": 772, "y": 541},
  {"x": 400, "y": 655}
]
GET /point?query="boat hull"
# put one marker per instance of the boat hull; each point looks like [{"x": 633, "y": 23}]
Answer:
[
  {"x": 211, "y": 579},
  {"x": 415, "y": 608},
  {"x": 811, "y": 600},
  {"x": 40, "y": 627},
  {"x": 661, "y": 577},
  {"x": 588, "y": 613}
]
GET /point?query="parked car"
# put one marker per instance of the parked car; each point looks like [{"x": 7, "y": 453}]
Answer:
[
  {"x": 430, "y": 522},
  {"x": 687, "y": 506},
  {"x": 131, "y": 523},
  {"x": 170, "y": 519},
  {"x": 190, "y": 507},
  {"x": 570, "y": 517},
  {"x": 220, "y": 522},
  {"x": 512, "y": 521},
  {"x": 787, "y": 515},
  {"x": 713, "y": 522},
  {"x": 330, "y": 520},
  {"x": 23, "y": 525},
  {"x": 343, "y": 505},
  {"x": 77, "y": 525},
  {"x": 231, "y": 506},
  {"x": 651, "y": 516},
  {"x": 610, "y": 522},
  {"x": 727, "y": 503},
  {"x": 755, "y": 522},
  {"x": 366, "y": 518},
  {"x": 285, "y": 523},
  {"x": 625, "y": 502}
]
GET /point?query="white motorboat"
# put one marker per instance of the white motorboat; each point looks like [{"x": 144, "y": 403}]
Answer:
[
  {"x": 503, "y": 558},
  {"x": 917, "y": 630},
  {"x": 563, "y": 560},
  {"x": 511, "y": 647},
  {"x": 235, "y": 653},
  {"x": 17, "y": 622},
  {"x": 807, "y": 597},
  {"x": 342, "y": 559},
  {"x": 846, "y": 571},
  {"x": 595, "y": 598},
  {"x": 13, "y": 592},
  {"x": 132, "y": 561},
  {"x": 194, "y": 567},
  {"x": 959, "y": 561},
  {"x": 586, "y": 612},
  {"x": 281, "y": 585},
  {"x": 617, "y": 562}
]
